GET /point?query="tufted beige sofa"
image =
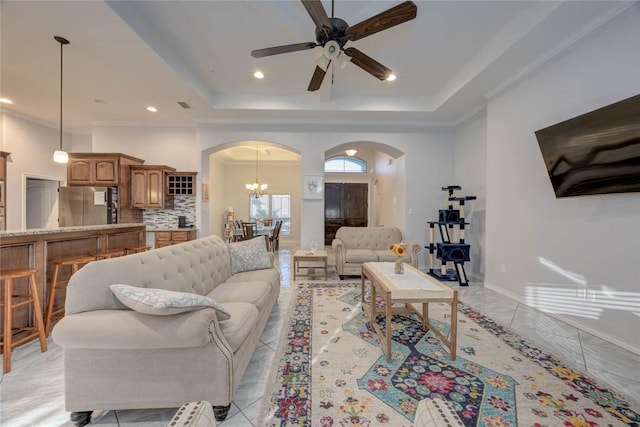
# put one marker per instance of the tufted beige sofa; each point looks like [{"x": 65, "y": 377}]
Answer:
[
  {"x": 116, "y": 358},
  {"x": 356, "y": 245}
]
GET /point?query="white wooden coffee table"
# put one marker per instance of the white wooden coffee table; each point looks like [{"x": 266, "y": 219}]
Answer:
[
  {"x": 318, "y": 260},
  {"x": 415, "y": 290}
]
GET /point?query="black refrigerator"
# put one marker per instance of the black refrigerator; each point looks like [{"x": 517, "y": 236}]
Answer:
[{"x": 87, "y": 206}]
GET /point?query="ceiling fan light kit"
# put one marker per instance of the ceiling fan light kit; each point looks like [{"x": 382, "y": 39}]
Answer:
[{"x": 332, "y": 34}]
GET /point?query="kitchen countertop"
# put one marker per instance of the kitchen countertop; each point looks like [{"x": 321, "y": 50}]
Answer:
[
  {"x": 35, "y": 231},
  {"x": 153, "y": 230}
]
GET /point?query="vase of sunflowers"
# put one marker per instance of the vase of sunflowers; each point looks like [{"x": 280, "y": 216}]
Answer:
[{"x": 399, "y": 251}]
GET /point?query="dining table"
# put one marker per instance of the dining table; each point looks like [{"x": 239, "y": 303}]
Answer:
[{"x": 264, "y": 230}]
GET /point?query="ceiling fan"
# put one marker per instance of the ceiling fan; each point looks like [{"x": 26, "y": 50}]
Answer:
[{"x": 334, "y": 33}]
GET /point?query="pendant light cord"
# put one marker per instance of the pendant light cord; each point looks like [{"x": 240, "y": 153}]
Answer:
[
  {"x": 61, "y": 80},
  {"x": 62, "y": 42}
]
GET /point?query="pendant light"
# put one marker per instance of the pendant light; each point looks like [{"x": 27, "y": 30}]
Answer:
[
  {"x": 61, "y": 156},
  {"x": 256, "y": 189}
]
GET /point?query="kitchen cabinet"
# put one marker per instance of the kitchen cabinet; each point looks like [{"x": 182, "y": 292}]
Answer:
[
  {"x": 181, "y": 184},
  {"x": 148, "y": 187},
  {"x": 105, "y": 170},
  {"x": 168, "y": 238},
  {"x": 93, "y": 172},
  {"x": 101, "y": 169}
]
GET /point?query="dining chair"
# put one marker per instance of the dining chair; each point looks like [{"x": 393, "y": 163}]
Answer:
[
  {"x": 250, "y": 230},
  {"x": 274, "y": 239},
  {"x": 237, "y": 224}
]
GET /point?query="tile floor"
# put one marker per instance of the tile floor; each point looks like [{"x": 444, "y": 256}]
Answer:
[{"x": 32, "y": 393}]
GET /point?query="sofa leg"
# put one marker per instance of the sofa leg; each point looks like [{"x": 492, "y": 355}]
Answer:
[
  {"x": 220, "y": 412},
  {"x": 81, "y": 418},
  {"x": 342, "y": 276}
]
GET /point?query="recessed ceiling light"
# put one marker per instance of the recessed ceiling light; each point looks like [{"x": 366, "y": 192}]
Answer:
[
  {"x": 152, "y": 109},
  {"x": 391, "y": 77},
  {"x": 258, "y": 75},
  {"x": 5, "y": 101}
]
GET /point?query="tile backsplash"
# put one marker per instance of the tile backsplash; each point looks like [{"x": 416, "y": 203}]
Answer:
[{"x": 168, "y": 218}]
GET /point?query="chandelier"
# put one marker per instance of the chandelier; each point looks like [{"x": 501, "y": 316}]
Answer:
[{"x": 256, "y": 189}]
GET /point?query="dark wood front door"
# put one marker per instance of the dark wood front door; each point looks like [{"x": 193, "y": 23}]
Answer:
[{"x": 344, "y": 204}]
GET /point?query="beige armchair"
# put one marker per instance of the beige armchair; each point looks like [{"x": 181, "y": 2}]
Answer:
[{"x": 356, "y": 245}]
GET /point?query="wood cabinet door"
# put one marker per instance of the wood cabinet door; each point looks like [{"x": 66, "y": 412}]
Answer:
[
  {"x": 138, "y": 188},
  {"x": 155, "y": 189},
  {"x": 106, "y": 171},
  {"x": 79, "y": 172}
]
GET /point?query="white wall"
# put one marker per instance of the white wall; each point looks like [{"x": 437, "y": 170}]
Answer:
[
  {"x": 157, "y": 145},
  {"x": 389, "y": 192},
  {"x": 576, "y": 258},
  {"x": 471, "y": 175},
  {"x": 31, "y": 146},
  {"x": 217, "y": 203},
  {"x": 428, "y": 165}
]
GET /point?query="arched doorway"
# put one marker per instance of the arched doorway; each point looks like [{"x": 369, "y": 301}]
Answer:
[
  {"x": 353, "y": 192},
  {"x": 233, "y": 165}
]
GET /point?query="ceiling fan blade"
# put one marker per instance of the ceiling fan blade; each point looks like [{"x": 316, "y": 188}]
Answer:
[
  {"x": 367, "y": 63},
  {"x": 316, "y": 79},
  {"x": 318, "y": 14},
  {"x": 276, "y": 50},
  {"x": 390, "y": 18}
]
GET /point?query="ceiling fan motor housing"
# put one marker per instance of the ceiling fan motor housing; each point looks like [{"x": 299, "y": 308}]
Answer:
[{"x": 338, "y": 33}]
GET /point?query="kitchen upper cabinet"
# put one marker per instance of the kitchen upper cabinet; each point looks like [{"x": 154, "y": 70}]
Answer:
[
  {"x": 182, "y": 183},
  {"x": 92, "y": 172},
  {"x": 148, "y": 187},
  {"x": 103, "y": 169}
]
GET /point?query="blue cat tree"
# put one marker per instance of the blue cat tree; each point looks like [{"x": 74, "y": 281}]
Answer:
[{"x": 451, "y": 252}]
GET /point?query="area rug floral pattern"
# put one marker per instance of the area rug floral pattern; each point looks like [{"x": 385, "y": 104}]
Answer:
[{"x": 332, "y": 371}]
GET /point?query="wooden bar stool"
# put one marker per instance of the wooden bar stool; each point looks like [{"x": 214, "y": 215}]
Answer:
[
  {"x": 74, "y": 263},
  {"x": 108, "y": 254},
  {"x": 136, "y": 249},
  {"x": 31, "y": 297}
]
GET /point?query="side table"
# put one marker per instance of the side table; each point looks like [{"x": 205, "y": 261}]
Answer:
[{"x": 317, "y": 257}]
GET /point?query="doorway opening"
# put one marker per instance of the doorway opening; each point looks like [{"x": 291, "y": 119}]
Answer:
[
  {"x": 345, "y": 204},
  {"x": 41, "y": 203}
]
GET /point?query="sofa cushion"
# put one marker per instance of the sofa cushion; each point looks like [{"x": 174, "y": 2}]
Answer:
[
  {"x": 360, "y": 255},
  {"x": 128, "y": 329},
  {"x": 163, "y": 302},
  {"x": 270, "y": 275},
  {"x": 249, "y": 255},
  {"x": 243, "y": 320},
  {"x": 256, "y": 293}
]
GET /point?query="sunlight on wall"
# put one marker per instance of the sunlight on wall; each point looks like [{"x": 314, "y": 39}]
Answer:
[
  {"x": 575, "y": 299},
  {"x": 574, "y": 277}
]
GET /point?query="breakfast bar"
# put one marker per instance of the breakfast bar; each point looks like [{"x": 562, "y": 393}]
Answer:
[{"x": 38, "y": 248}]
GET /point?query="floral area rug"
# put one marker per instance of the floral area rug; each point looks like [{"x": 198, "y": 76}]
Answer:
[{"x": 332, "y": 371}]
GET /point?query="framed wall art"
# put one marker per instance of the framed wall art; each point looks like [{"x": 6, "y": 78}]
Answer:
[{"x": 313, "y": 187}]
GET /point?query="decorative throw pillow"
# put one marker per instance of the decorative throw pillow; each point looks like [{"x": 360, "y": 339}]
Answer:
[
  {"x": 162, "y": 302},
  {"x": 249, "y": 255}
]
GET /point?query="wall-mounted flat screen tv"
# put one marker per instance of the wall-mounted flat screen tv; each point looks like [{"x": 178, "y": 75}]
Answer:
[{"x": 595, "y": 153}]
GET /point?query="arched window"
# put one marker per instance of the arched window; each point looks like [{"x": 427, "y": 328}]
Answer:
[{"x": 345, "y": 164}]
